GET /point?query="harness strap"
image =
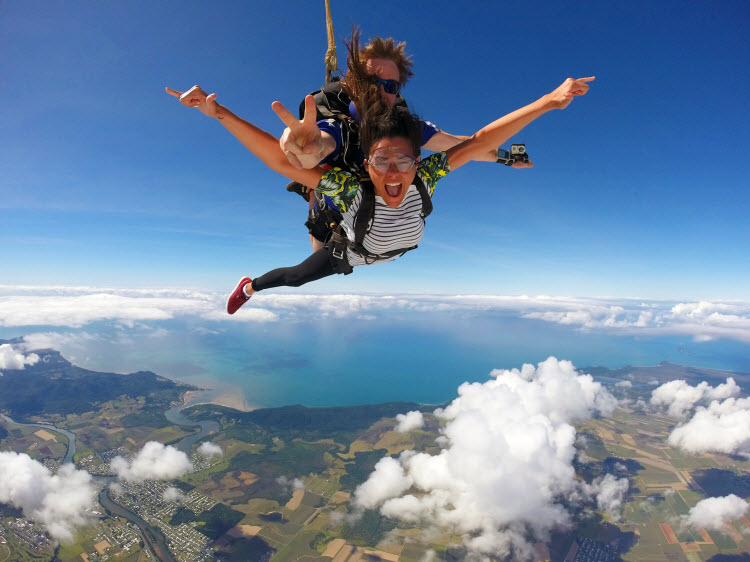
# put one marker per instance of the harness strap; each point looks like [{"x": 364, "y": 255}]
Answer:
[
  {"x": 366, "y": 212},
  {"x": 364, "y": 218},
  {"x": 426, "y": 199}
]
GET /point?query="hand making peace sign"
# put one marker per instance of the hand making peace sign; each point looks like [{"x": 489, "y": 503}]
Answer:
[{"x": 301, "y": 141}]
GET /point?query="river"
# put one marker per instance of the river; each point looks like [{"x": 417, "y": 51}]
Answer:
[
  {"x": 151, "y": 535},
  {"x": 208, "y": 427},
  {"x": 70, "y": 454}
]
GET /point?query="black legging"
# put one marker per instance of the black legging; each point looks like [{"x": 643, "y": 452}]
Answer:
[{"x": 313, "y": 268}]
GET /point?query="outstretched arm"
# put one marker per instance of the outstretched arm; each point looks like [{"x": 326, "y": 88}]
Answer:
[
  {"x": 264, "y": 145},
  {"x": 442, "y": 141},
  {"x": 498, "y": 132}
]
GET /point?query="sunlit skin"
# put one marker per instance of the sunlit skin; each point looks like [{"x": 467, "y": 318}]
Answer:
[
  {"x": 306, "y": 146},
  {"x": 392, "y": 185}
]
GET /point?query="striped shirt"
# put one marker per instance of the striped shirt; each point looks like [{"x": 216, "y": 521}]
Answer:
[{"x": 392, "y": 229}]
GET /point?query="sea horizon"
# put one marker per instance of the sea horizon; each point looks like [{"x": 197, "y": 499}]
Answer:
[{"x": 344, "y": 362}]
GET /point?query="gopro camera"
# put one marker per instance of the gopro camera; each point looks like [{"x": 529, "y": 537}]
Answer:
[{"x": 517, "y": 154}]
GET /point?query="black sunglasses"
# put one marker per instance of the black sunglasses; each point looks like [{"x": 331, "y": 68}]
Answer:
[{"x": 389, "y": 86}]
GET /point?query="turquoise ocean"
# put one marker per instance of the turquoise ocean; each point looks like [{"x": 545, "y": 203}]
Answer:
[{"x": 409, "y": 357}]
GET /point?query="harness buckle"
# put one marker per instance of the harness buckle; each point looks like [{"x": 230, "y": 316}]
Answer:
[{"x": 338, "y": 252}]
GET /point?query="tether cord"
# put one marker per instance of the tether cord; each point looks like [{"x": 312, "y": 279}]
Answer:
[{"x": 330, "y": 58}]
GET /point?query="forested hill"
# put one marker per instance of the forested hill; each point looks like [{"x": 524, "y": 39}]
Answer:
[
  {"x": 300, "y": 422},
  {"x": 53, "y": 385}
]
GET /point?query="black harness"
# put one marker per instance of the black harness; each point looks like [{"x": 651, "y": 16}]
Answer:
[
  {"x": 324, "y": 222},
  {"x": 338, "y": 243}
]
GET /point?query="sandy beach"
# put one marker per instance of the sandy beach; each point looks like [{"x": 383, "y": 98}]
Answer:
[{"x": 237, "y": 402}]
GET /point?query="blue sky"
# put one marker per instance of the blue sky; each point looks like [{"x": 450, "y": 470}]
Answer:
[{"x": 639, "y": 189}]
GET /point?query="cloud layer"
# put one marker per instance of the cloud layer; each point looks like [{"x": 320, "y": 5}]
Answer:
[
  {"x": 58, "y": 501},
  {"x": 79, "y": 306},
  {"x": 713, "y": 418},
  {"x": 680, "y": 398},
  {"x": 153, "y": 462},
  {"x": 507, "y": 463}
]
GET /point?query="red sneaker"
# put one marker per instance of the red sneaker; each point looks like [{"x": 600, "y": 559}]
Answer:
[{"x": 238, "y": 298}]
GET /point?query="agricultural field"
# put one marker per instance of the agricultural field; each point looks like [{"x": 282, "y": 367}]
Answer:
[
  {"x": 283, "y": 487},
  {"x": 39, "y": 444},
  {"x": 665, "y": 484}
]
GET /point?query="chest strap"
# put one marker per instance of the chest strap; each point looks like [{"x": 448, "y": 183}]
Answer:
[{"x": 363, "y": 224}]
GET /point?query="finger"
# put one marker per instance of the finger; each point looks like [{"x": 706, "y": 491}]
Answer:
[
  {"x": 589, "y": 79},
  {"x": 172, "y": 92},
  {"x": 191, "y": 90},
  {"x": 285, "y": 115},
  {"x": 311, "y": 113},
  {"x": 293, "y": 148},
  {"x": 210, "y": 98},
  {"x": 310, "y": 148},
  {"x": 293, "y": 160}
]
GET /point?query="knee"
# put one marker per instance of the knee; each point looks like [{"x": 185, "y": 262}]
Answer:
[{"x": 296, "y": 280}]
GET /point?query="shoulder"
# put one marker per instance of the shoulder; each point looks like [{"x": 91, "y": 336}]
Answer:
[
  {"x": 433, "y": 168},
  {"x": 340, "y": 187}
]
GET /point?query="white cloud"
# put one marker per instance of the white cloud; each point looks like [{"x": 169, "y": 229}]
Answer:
[
  {"x": 244, "y": 314},
  {"x": 153, "y": 462},
  {"x": 78, "y": 306},
  {"x": 172, "y": 494},
  {"x": 716, "y": 421},
  {"x": 624, "y": 384},
  {"x": 715, "y": 513},
  {"x": 389, "y": 480},
  {"x": 77, "y": 311},
  {"x": 507, "y": 464},
  {"x": 610, "y": 494},
  {"x": 58, "y": 501},
  {"x": 409, "y": 421},
  {"x": 54, "y": 340},
  {"x": 722, "y": 427},
  {"x": 210, "y": 450},
  {"x": 290, "y": 484},
  {"x": 679, "y": 397},
  {"x": 15, "y": 360}
]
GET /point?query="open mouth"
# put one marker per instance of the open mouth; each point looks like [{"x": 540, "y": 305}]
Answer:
[{"x": 393, "y": 189}]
